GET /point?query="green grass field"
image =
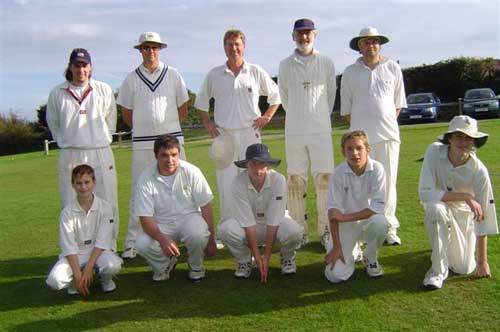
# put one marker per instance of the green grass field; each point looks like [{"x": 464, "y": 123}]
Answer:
[{"x": 29, "y": 209}]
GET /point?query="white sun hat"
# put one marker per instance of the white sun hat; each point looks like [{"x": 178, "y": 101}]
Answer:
[
  {"x": 366, "y": 33},
  {"x": 467, "y": 125},
  {"x": 222, "y": 150},
  {"x": 150, "y": 37}
]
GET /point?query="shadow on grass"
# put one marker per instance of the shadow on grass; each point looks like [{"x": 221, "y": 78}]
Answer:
[{"x": 219, "y": 295}]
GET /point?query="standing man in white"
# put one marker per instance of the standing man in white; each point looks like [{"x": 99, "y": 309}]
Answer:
[
  {"x": 457, "y": 195},
  {"x": 307, "y": 88},
  {"x": 81, "y": 114},
  {"x": 173, "y": 204},
  {"x": 260, "y": 217},
  {"x": 236, "y": 86},
  {"x": 153, "y": 100},
  {"x": 372, "y": 94}
]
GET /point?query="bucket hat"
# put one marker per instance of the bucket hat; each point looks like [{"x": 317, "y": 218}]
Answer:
[
  {"x": 258, "y": 152},
  {"x": 222, "y": 150},
  {"x": 150, "y": 37},
  {"x": 367, "y": 33},
  {"x": 467, "y": 125}
]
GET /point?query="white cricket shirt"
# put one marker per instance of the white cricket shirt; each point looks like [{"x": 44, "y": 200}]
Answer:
[
  {"x": 439, "y": 176},
  {"x": 307, "y": 91},
  {"x": 168, "y": 201},
  {"x": 155, "y": 99},
  {"x": 371, "y": 97},
  {"x": 85, "y": 122},
  {"x": 350, "y": 193},
  {"x": 264, "y": 207},
  {"x": 80, "y": 232},
  {"x": 236, "y": 98}
]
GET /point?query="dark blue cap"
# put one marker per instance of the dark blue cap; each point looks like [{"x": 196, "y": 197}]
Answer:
[
  {"x": 303, "y": 24},
  {"x": 80, "y": 55},
  {"x": 258, "y": 152}
]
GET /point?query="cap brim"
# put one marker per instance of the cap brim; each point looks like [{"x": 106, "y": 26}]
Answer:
[
  {"x": 244, "y": 163},
  {"x": 162, "y": 45},
  {"x": 479, "y": 139},
  {"x": 354, "y": 42}
]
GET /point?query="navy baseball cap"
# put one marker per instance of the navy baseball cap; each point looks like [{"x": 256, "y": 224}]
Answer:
[
  {"x": 258, "y": 152},
  {"x": 80, "y": 55},
  {"x": 303, "y": 24}
]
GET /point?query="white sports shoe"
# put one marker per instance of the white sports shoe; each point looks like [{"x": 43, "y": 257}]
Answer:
[
  {"x": 288, "y": 266},
  {"x": 374, "y": 270},
  {"x": 243, "y": 271},
  {"x": 165, "y": 275},
  {"x": 392, "y": 238},
  {"x": 71, "y": 289},
  {"x": 219, "y": 244},
  {"x": 433, "y": 280},
  {"x": 196, "y": 275},
  {"x": 107, "y": 283},
  {"x": 325, "y": 239},
  {"x": 129, "y": 253}
]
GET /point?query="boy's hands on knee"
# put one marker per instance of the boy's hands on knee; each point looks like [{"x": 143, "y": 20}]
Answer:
[
  {"x": 334, "y": 255},
  {"x": 483, "y": 270}
]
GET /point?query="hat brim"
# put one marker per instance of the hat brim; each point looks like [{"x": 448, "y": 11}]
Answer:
[
  {"x": 244, "y": 163},
  {"x": 479, "y": 137},
  {"x": 354, "y": 42},
  {"x": 162, "y": 45}
]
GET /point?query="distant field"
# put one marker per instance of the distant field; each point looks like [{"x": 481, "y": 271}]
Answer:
[{"x": 29, "y": 209}]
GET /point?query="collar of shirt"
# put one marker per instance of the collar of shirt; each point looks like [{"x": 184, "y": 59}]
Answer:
[
  {"x": 146, "y": 71},
  {"x": 244, "y": 68},
  {"x": 361, "y": 63},
  {"x": 470, "y": 164},
  {"x": 159, "y": 177},
  {"x": 297, "y": 55},
  {"x": 368, "y": 168},
  {"x": 267, "y": 182},
  {"x": 67, "y": 84},
  {"x": 77, "y": 208}
]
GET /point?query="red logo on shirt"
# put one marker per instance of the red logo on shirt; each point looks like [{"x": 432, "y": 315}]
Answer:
[
  {"x": 250, "y": 89},
  {"x": 83, "y": 111}
]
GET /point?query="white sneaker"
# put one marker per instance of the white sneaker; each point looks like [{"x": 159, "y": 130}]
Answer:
[
  {"x": 374, "y": 270},
  {"x": 433, "y": 280},
  {"x": 288, "y": 266},
  {"x": 107, "y": 283},
  {"x": 129, "y": 253},
  {"x": 243, "y": 271},
  {"x": 392, "y": 238},
  {"x": 196, "y": 275},
  {"x": 165, "y": 275},
  {"x": 71, "y": 289},
  {"x": 325, "y": 239}
]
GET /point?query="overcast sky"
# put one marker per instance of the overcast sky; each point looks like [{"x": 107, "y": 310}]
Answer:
[{"x": 36, "y": 36}]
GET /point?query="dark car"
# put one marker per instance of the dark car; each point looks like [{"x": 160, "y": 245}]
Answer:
[
  {"x": 481, "y": 103},
  {"x": 421, "y": 107}
]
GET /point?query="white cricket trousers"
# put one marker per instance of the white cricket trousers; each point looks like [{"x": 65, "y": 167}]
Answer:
[
  {"x": 452, "y": 237},
  {"x": 103, "y": 163},
  {"x": 61, "y": 274},
  {"x": 387, "y": 153},
  {"x": 190, "y": 230},
  {"x": 372, "y": 230},
  {"x": 233, "y": 236},
  {"x": 241, "y": 138},
  {"x": 141, "y": 159}
]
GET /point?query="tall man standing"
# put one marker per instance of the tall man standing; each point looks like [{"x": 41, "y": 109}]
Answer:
[
  {"x": 236, "y": 87},
  {"x": 81, "y": 114},
  {"x": 372, "y": 95},
  {"x": 153, "y": 100},
  {"x": 307, "y": 88}
]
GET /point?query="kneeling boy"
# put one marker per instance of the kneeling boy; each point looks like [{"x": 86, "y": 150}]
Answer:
[
  {"x": 260, "y": 216},
  {"x": 355, "y": 210},
  {"x": 86, "y": 237}
]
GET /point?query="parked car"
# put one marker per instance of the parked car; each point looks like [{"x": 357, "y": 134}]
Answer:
[
  {"x": 421, "y": 107},
  {"x": 481, "y": 103}
]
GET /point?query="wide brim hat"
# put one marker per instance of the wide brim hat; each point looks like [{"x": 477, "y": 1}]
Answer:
[
  {"x": 467, "y": 125},
  {"x": 150, "y": 37},
  {"x": 258, "y": 152},
  {"x": 367, "y": 33},
  {"x": 222, "y": 150}
]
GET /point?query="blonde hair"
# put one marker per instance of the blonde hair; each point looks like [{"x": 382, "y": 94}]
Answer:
[
  {"x": 233, "y": 33},
  {"x": 355, "y": 134}
]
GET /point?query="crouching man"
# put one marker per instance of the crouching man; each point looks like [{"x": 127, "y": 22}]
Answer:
[
  {"x": 173, "y": 205},
  {"x": 356, "y": 210},
  {"x": 260, "y": 217},
  {"x": 456, "y": 192},
  {"x": 86, "y": 238}
]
